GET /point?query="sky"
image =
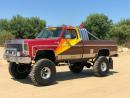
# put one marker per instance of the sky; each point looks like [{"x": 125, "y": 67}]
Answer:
[{"x": 69, "y": 12}]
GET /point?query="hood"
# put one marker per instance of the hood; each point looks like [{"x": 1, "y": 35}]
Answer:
[{"x": 16, "y": 41}]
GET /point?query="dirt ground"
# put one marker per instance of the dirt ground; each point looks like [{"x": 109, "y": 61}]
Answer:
[{"x": 68, "y": 85}]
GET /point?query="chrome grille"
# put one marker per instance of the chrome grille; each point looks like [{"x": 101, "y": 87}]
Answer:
[
  {"x": 18, "y": 47},
  {"x": 11, "y": 52}
]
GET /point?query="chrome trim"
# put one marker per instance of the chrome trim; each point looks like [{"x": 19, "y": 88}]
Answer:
[
  {"x": 103, "y": 66},
  {"x": 25, "y": 60},
  {"x": 80, "y": 56},
  {"x": 77, "y": 56},
  {"x": 10, "y": 49},
  {"x": 89, "y": 55},
  {"x": 46, "y": 73}
]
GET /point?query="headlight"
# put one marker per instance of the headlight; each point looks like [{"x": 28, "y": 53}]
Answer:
[
  {"x": 7, "y": 52},
  {"x": 25, "y": 47},
  {"x": 18, "y": 54}
]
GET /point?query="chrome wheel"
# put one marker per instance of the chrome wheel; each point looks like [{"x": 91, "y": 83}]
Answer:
[
  {"x": 103, "y": 66},
  {"x": 46, "y": 73}
]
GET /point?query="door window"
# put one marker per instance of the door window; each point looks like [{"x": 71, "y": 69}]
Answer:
[{"x": 70, "y": 34}]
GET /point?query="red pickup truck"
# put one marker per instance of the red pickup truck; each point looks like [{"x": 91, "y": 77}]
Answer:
[{"x": 53, "y": 46}]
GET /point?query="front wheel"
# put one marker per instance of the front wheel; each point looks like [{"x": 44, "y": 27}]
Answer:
[
  {"x": 101, "y": 66},
  {"x": 19, "y": 71},
  {"x": 43, "y": 72}
]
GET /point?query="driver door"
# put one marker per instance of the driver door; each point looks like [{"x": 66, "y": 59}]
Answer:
[{"x": 73, "y": 47}]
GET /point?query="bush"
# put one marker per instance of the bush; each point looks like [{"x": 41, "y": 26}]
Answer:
[
  {"x": 120, "y": 32},
  {"x": 5, "y": 35}
]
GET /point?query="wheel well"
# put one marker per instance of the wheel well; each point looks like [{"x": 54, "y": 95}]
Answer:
[
  {"x": 104, "y": 52},
  {"x": 48, "y": 54}
]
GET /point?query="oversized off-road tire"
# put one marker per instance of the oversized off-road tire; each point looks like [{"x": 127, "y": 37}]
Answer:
[
  {"x": 19, "y": 71},
  {"x": 76, "y": 67},
  {"x": 43, "y": 73},
  {"x": 101, "y": 66}
]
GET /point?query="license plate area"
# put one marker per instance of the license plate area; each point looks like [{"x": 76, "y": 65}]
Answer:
[{"x": 10, "y": 52}]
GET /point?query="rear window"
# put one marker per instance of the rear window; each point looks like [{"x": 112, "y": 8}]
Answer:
[{"x": 83, "y": 34}]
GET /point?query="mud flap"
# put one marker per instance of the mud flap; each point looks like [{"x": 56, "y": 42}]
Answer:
[{"x": 110, "y": 63}]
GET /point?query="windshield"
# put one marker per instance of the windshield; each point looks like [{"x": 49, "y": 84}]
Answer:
[{"x": 50, "y": 33}]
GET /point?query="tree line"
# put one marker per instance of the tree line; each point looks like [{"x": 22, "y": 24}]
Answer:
[
  {"x": 104, "y": 28},
  {"x": 98, "y": 24},
  {"x": 20, "y": 27}
]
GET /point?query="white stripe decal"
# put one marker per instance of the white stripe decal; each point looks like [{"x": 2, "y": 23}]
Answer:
[
  {"x": 77, "y": 56},
  {"x": 80, "y": 56}
]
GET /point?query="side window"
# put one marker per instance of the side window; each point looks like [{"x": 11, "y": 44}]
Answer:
[
  {"x": 70, "y": 34},
  {"x": 85, "y": 35}
]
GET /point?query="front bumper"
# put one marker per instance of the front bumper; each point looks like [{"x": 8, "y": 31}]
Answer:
[{"x": 24, "y": 60}]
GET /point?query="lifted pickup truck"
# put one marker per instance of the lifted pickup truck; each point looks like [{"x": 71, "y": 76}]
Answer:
[{"x": 53, "y": 46}]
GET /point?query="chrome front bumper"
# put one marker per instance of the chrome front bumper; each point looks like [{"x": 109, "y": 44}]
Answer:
[{"x": 24, "y": 60}]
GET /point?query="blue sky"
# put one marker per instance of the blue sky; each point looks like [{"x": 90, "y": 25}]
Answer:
[{"x": 70, "y": 12}]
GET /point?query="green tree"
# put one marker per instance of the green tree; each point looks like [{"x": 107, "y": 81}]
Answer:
[
  {"x": 98, "y": 24},
  {"x": 23, "y": 27},
  {"x": 120, "y": 32},
  {"x": 123, "y": 22},
  {"x": 4, "y": 24}
]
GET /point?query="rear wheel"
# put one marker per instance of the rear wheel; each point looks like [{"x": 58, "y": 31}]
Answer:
[
  {"x": 101, "y": 66},
  {"x": 43, "y": 72},
  {"x": 76, "y": 67},
  {"x": 19, "y": 71}
]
